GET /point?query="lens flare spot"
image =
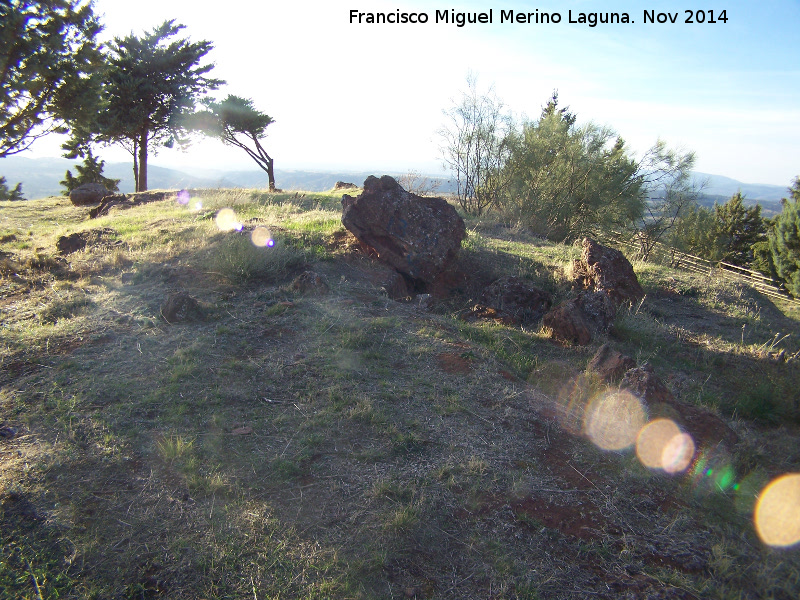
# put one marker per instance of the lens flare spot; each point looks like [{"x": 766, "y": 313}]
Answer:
[
  {"x": 183, "y": 197},
  {"x": 725, "y": 478},
  {"x": 226, "y": 220},
  {"x": 653, "y": 440},
  {"x": 613, "y": 420},
  {"x": 678, "y": 454},
  {"x": 777, "y": 514},
  {"x": 262, "y": 238}
]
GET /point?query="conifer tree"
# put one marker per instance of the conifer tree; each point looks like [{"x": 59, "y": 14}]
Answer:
[
  {"x": 90, "y": 172},
  {"x": 236, "y": 122},
  {"x": 738, "y": 229},
  {"x": 784, "y": 241},
  {"x": 150, "y": 85},
  {"x": 47, "y": 49},
  {"x": 10, "y": 194}
]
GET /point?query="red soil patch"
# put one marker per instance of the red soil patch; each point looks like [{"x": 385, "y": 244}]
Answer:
[
  {"x": 453, "y": 363},
  {"x": 582, "y": 520}
]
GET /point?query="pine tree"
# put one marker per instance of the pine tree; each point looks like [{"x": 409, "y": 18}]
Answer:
[
  {"x": 10, "y": 194},
  {"x": 738, "y": 228},
  {"x": 47, "y": 49},
  {"x": 784, "y": 241},
  {"x": 237, "y": 123},
  {"x": 148, "y": 88},
  {"x": 90, "y": 172}
]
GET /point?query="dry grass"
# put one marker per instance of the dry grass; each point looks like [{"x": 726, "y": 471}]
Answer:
[{"x": 348, "y": 446}]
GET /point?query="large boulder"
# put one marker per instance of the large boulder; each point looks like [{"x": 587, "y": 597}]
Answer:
[
  {"x": 514, "y": 299},
  {"x": 601, "y": 268},
  {"x": 598, "y": 308},
  {"x": 88, "y": 193},
  {"x": 417, "y": 236}
]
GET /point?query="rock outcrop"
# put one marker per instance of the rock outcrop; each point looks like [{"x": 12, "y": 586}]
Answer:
[
  {"x": 74, "y": 242},
  {"x": 417, "y": 236},
  {"x": 601, "y": 268},
  {"x": 598, "y": 308},
  {"x": 344, "y": 185}
]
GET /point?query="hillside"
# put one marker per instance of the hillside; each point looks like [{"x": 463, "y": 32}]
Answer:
[{"x": 264, "y": 441}]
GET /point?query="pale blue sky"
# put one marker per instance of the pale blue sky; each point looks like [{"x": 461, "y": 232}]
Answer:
[{"x": 370, "y": 97}]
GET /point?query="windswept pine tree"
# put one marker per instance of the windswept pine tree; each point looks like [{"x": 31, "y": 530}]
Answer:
[{"x": 236, "y": 122}]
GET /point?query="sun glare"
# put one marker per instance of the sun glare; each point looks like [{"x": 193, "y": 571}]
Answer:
[
  {"x": 226, "y": 220},
  {"x": 262, "y": 237},
  {"x": 662, "y": 445},
  {"x": 613, "y": 420},
  {"x": 777, "y": 514}
]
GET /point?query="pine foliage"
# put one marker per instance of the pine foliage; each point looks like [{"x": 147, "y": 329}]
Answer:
[
  {"x": 91, "y": 171},
  {"x": 47, "y": 49},
  {"x": 784, "y": 241}
]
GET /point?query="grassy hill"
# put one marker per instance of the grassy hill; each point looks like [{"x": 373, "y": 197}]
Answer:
[{"x": 287, "y": 445}]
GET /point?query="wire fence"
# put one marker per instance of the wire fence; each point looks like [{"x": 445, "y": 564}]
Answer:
[{"x": 666, "y": 255}]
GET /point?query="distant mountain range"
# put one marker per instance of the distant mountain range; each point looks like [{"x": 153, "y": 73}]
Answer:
[{"x": 40, "y": 178}]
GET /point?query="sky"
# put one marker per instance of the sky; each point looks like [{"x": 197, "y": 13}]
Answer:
[{"x": 370, "y": 97}]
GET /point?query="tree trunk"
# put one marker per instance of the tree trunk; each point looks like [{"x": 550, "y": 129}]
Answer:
[
  {"x": 271, "y": 175},
  {"x": 135, "y": 166},
  {"x": 141, "y": 184}
]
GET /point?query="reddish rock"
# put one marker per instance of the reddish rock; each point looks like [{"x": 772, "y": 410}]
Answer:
[
  {"x": 598, "y": 308},
  {"x": 74, "y": 242},
  {"x": 516, "y": 301},
  {"x": 88, "y": 193},
  {"x": 606, "y": 269},
  {"x": 396, "y": 286},
  {"x": 106, "y": 204},
  {"x": 417, "y": 236},
  {"x": 67, "y": 244},
  {"x": 706, "y": 428},
  {"x": 568, "y": 324},
  {"x": 310, "y": 283},
  {"x": 610, "y": 364},
  {"x": 180, "y": 306}
]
